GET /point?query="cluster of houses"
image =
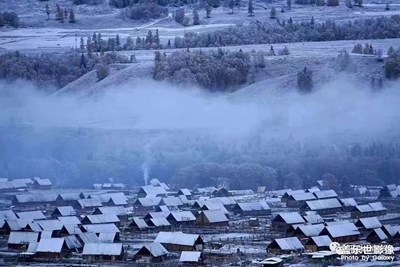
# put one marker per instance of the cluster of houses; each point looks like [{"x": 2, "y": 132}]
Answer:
[{"x": 155, "y": 224}]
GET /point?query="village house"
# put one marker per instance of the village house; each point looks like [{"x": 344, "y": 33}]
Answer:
[
  {"x": 343, "y": 232},
  {"x": 51, "y": 248},
  {"x": 88, "y": 204},
  {"x": 191, "y": 258},
  {"x": 151, "y": 253},
  {"x": 325, "y": 194},
  {"x": 63, "y": 211},
  {"x": 285, "y": 245},
  {"x": 42, "y": 184},
  {"x": 284, "y": 219},
  {"x": 178, "y": 241},
  {"x": 101, "y": 219},
  {"x": 185, "y": 192},
  {"x": 68, "y": 220},
  {"x": 312, "y": 217},
  {"x": 256, "y": 208},
  {"x": 21, "y": 240},
  {"x": 67, "y": 199},
  {"x": 32, "y": 215},
  {"x": 138, "y": 224},
  {"x": 146, "y": 203},
  {"x": 368, "y": 210},
  {"x": 161, "y": 223},
  {"x": 215, "y": 218},
  {"x": 34, "y": 201},
  {"x": 348, "y": 203},
  {"x": 181, "y": 218},
  {"x": 377, "y": 236},
  {"x": 297, "y": 200},
  {"x": 365, "y": 225},
  {"x": 305, "y": 231},
  {"x": 119, "y": 211},
  {"x": 151, "y": 191},
  {"x": 171, "y": 202},
  {"x": 318, "y": 243},
  {"x": 323, "y": 206},
  {"x": 289, "y": 192},
  {"x": 103, "y": 252}
]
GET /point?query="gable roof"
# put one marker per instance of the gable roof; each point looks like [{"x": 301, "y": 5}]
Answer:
[
  {"x": 214, "y": 216},
  {"x": 68, "y": 220},
  {"x": 65, "y": 210},
  {"x": 33, "y": 215},
  {"x": 325, "y": 194},
  {"x": 148, "y": 201},
  {"x": 190, "y": 256},
  {"x": 151, "y": 190},
  {"x": 7, "y": 215},
  {"x": 253, "y": 206},
  {"x": 154, "y": 249},
  {"x": 50, "y": 245},
  {"x": 109, "y": 249},
  {"x": 288, "y": 243},
  {"x": 117, "y": 210},
  {"x": 290, "y": 217},
  {"x": 182, "y": 216},
  {"x": 177, "y": 238},
  {"x": 321, "y": 204},
  {"x": 340, "y": 230},
  {"x": 101, "y": 228},
  {"x": 139, "y": 222},
  {"x": 22, "y": 237},
  {"x": 348, "y": 202},
  {"x": 369, "y": 223},
  {"x": 50, "y": 225},
  {"x": 310, "y": 230},
  {"x": 320, "y": 241},
  {"x": 89, "y": 203},
  {"x": 313, "y": 217},
  {"x": 302, "y": 196},
  {"x": 101, "y": 218}
]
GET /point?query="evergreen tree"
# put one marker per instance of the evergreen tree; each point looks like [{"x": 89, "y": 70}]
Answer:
[
  {"x": 169, "y": 43},
  {"x": 65, "y": 13},
  {"x": 82, "y": 44},
  {"x": 157, "y": 37},
  {"x": 289, "y": 4},
  {"x": 149, "y": 37},
  {"x": 231, "y": 4},
  {"x": 48, "y": 11},
  {"x": 208, "y": 11},
  {"x": 61, "y": 16},
  {"x": 312, "y": 21},
  {"x": 117, "y": 40},
  {"x": 349, "y": 3},
  {"x": 250, "y": 8},
  {"x": 89, "y": 47},
  {"x": 138, "y": 40},
  {"x": 387, "y": 8},
  {"x": 304, "y": 80},
  {"x": 332, "y": 2},
  {"x": 59, "y": 13},
  {"x": 83, "y": 61},
  {"x": 71, "y": 16},
  {"x": 273, "y": 13},
  {"x": 196, "y": 18}
]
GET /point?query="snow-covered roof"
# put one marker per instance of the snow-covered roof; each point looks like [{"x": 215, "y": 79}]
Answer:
[
  {"x": 211, "y": 205},
  {"x": 325, "y": 194},
  {"x": 348, "y": 202},
  {"x": 148, "y": 201},
  {"x": 68, "y": 220},
  {"x": 101, "y": 218},
  {"x": 215, "y": 216},
  {"x": 291, "y": 217},
  {"x": 140, "y": 223},
  {"x": 322, "y": 204},
  {"x": 369, "y": 223},
  {"x": 177, "y": 238},
  {"x": 35, "y": 197},
  {"x": 310, "y": 230},
  {"x": 50, "y": 225},
  {"x": 69, "y": 196},
  {"x": 71, "y": 229},
  {"x": 72, "y": 242},
  {"x": 302, "y": 196},
  {"x": 313, "y": 217},
  {"x": 52, "y": 245},
  {"x": 109, "y": 249},
  {"x": 185, "y": 191},
  {"x": 155, "y": 249},
  {"x": 22, "y": 237},
  {"x": 101, "y": 228},
  {"x": 33, "y": 215},
  {"x": 251, "y": 206},
  {"x": 151, "y": 190},
  {"x": 340, "y": 230},
  {"x": 89, "y": 237},
  {"x": 182, "y": 216},
  {"x": 289, "y": 243},
  {"x": 65, "y": 210},
  {"x": 42, "y": 182},
  {"x": 160, "y": 222},
  {"x": 7, "y": 215},
  {"x": 321, "y": 241},
  {"x": 107, "y": 237},
  {"x": 117, "y": 210},
  {"x": 171, "y": 201},
  {"x": 379, "y": 232},
  {"x": 117, "y": 198},
  {"x": 89, "y": 203},
  {"x": 190, "y": 256}
]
